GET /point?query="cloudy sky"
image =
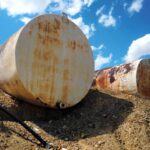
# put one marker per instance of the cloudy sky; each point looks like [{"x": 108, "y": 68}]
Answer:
[{"x": 118, "y": 30}]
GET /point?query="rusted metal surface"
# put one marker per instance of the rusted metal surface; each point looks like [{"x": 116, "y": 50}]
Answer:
[
  {"x": 132, "y": 78},
  {"x": 48, "y": 62},
  {"x": 143, "y": 78}
]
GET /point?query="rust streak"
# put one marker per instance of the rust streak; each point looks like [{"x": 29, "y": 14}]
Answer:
[
  {"x": 52, "y": 88},
  {"x": 30, "y": 32},
  {"x": 56, "y": 25},
  {"x": 72, "y": 45},
  {"x": 46, "y": 55},
  {"x": 102, "y": 81}
]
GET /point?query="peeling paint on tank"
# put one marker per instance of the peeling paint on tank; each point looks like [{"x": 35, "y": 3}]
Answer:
[
  {"x": 131, "y": 78},
  {"x": 143, "y": 78},
  {"x": 102, "y": 82},
  {"x": 112, "y": 75}
]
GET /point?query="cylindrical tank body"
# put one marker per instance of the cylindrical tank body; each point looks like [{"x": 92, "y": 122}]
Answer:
[
  {"x": 132, "y": 78},
  {"x": 47, "y": 62}
]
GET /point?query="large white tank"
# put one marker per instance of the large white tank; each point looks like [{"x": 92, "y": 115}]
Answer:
[{"x": 47, "y": 62}]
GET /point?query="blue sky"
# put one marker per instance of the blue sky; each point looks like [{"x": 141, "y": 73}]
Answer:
[{"x": 118, "y": 30}]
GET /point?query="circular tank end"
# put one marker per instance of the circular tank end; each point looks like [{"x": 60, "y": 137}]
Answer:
[
  {"x": 143, "y": 78},
  {"x": 54, "y": 61}
]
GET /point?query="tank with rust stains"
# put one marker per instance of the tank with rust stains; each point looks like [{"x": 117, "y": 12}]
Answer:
[
  {"x": 48, "y": 62},
  {"x": 132, "y": 78}
]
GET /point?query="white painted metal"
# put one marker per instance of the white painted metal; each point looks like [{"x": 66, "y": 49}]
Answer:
[{"x": 48, "y": 62}]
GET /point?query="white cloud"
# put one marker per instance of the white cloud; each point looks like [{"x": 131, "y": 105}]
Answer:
[
  {"x": 138, "y": 48},
  {"x": 97, "y": 48},
  {"x": 25, "y": 20},
  {"x": 71, "y": 7},
  {"x": 88, "y": 30},
  {"x": 19, "y": 7},
  {"x": 100, "y": 61},
  {"x": 88, "y": 2},
  {"x": 99, "y": 11},
  {"x": 92, "y": 28},
  {"x": 135, "y": 6},
  {"x": 107, "y": 20}
]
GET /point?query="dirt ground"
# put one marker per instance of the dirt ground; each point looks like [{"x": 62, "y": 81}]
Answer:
[{"x": 99, "y": 122}]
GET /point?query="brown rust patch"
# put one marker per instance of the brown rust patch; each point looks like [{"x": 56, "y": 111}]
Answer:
[
  {"x": 48, "y": 39},
  {"x": 66, "y": 75},
  {"x": 123, "y": 69},
  {"x": 30, "y": 32},
  {"x": 65, "y": 20},
  {"x": 40, "y": 36},
  {"x": 112, "y": 73},
  {"x": 46, "y": 55},
  {"x": 50, "y": 28},
  {"x": 16, "y": 82},
  {"x": 101, "y": 81},
  {"x": 8, "y": 84},
  {"x": 44, "y": 27},
  {"x": 72, "y": 45},
  {"x": 143, "y": 79},
  {"x": 112, "y": 79},
  {"x": 144, "y": 92},
  {"x": 127, "y": 67},
  {"x": 82, "y": 46},
  {"x": 54, "y": 41},
  {"x": 40, "y": 26},
  {"x": 56, "y": 24},
  {"x": 65, "y": 93}
]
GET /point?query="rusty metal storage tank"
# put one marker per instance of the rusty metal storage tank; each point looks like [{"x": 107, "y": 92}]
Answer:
[
  {"x": 131, "y": 78},
  {"x": 48, "y": 62}
]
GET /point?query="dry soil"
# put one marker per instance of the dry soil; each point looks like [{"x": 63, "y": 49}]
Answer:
[{"x": 99, "y": 122}]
